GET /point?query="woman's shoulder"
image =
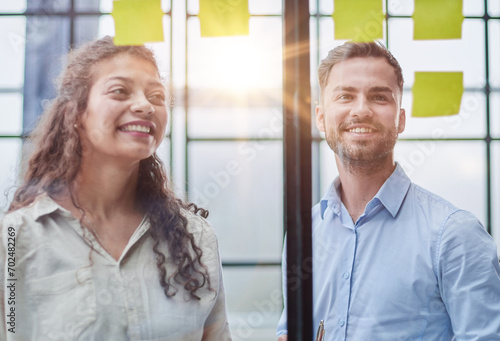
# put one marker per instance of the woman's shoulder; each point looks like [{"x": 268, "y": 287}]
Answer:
[
  {"x": 200, "y": 227},
  {"x": 29, "y": 214}
]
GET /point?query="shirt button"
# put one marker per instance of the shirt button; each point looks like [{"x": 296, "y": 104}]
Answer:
[
  {"x": 346, "y": 275},
  {"x": 341, "y": 323}
]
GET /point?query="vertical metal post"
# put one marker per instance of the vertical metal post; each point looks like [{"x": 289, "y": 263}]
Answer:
[{"x": 297, "y": 173}]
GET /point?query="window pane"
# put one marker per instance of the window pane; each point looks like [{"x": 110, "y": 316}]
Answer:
[
  {"x": 466, "y": 54},
  {"x": 470, "y": 122},
  {"x": 265, "y": 7},
  {"x": 254, "y": 302},
  {"x": 242, "y": 122},
  {"x": 241, "y": 183},
  {"x": 12, "y": 44},
  {"x": 494, "y": 8},
  {"x": 495, "y": 190},
  {"x": 455, "y": 171},
  {"x": 18, "y": 6},
  {"x": 12, "y": 114},
  {"x": 494, "y": 49},
  {"x": 495, "y": 114},
  {"x": 239, "y": 63},
  {"x": 328, "y": 168},
  {"x": 10, "y": 151}
]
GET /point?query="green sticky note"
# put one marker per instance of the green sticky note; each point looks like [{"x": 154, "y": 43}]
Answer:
[
  {"x": 137, "y": 21},
  {"x": 219, "y": 18},
  {"x": 437, "y": 93},
  {"x": 437, "y": 19},
  {"x": 358, "y": 20}
]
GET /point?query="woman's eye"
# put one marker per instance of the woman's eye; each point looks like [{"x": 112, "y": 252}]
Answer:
[
  {"x": 118, "y": 91},
  {"x": 157, "y": 98}
]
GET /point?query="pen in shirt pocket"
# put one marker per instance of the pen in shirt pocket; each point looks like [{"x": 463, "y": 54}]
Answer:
[{"x": 321, "y": 331}]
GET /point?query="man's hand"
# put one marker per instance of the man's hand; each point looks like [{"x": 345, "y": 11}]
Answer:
[{"x": 283, "y": 338}]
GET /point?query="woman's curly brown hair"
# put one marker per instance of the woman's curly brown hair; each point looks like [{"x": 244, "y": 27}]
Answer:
[{"x": 57, "y": 153}]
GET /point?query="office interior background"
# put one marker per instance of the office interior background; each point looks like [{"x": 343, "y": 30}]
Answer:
[{"x": 224, "y": 147}]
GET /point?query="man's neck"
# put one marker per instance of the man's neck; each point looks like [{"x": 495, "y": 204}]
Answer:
[{"x": 361, "y": 182}]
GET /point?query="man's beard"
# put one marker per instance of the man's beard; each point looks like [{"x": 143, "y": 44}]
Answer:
[{"x": 362, "y": 153}]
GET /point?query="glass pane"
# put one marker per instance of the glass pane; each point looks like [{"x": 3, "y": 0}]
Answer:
[
  {"x": 254, "y": 302},
  {"x": 177, "y": 122},
  {"x": 494, "y": 49},
  {"x": 106, "y": 26},
  {"x": 12, "y": 45},
  {"x": 241, "y": 184},
  {"x": 495, "y": 114},
  {"x": 235, "y": 122},
  {"x": 236, "y": 64},
  {"x": 86, "y": 29},
  {"x": 163, "y": 153},
  {"x": 466, "y": 54},
  {"x": 48, "y": 6},
  {"x": 406, "y": 7},
  {"x": 470, "y": 122},
  {"x": 264, "y": 7},
  {"x": 494, "y": 8},
  {"x": 12, "y": 114},
  {"x": 495, "y": 190},
  {"x": 7, "y": 6},
  {"x": 10, "y": 151},
  {"x": 401, "y": 7},
  {"x": 473, "y": 8},
  {"x": 328, "y": 168},
  {"x": 455, "y": 171},
  {"x": 88, "y": 5}
]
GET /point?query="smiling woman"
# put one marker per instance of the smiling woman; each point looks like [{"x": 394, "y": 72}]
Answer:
[{"x": 103, "y": 245}]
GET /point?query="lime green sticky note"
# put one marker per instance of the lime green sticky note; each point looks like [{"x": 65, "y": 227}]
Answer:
[
  {"x": 437, "y": 93},
  {"x": 437, "y": 19},
  {"x": 219, "y": 18},
  {"x": 137, "y": 21},
  {"x": 358, "y": 20}
]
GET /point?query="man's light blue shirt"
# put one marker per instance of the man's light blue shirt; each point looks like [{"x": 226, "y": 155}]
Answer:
[{"x": 412, "y": 267}]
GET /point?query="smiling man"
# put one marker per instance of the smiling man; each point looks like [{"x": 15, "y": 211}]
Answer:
[{"x": 391, "y": 261}]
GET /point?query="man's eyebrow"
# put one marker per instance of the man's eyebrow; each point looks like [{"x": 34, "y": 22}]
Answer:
[
  {"x": 345, "y": 88},
  {"x": 380, "y": 89}
]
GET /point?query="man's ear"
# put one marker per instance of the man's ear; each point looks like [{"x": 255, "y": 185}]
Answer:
[
  {"x": 320, "y": 118},
  {"x": 402, "y": 121}
]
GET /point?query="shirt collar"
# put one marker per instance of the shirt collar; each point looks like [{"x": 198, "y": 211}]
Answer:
[
  {"x": 44, "y": 205},
  {"x": 391, "y": 194}
]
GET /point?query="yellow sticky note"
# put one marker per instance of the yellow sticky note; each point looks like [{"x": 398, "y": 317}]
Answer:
[
  {"x": 358, "y": 20},
  {"x": 219, "y": 18},
  {"x": 437, "y": 93},
  {"x": 137, "y": 21},
  {"x": 437, "y": 19}
]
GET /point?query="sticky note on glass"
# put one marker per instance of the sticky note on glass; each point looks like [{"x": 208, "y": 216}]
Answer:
[
  {"x": 219, "y": 18},
  {"x": 437, "y": 93},
  {"x": 358, "y": 20},
  {"x": 137, "y": 21},
  {"x": 437, "y": 19}
]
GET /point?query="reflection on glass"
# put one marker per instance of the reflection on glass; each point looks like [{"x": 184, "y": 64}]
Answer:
[
  {"x": 254, "y": 302},
  {"x": 241, "y": 184},
  {"x": 495, "y": 188},
  {"x": 9, "y": 169},
  {"x": 454, "y": 170},
  {"x": 466, "y": 54}
]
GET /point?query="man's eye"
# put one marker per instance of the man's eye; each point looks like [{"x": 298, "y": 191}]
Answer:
[
  {"x": 345, "y": 96},
  {"x": 379, "y": 98}
]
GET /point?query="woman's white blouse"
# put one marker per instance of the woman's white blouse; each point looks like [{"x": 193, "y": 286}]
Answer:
[{"x": 56, "y": 288}]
